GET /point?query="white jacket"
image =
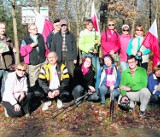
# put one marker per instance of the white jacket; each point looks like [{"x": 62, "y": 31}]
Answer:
[{"x": 13, "y": 88}]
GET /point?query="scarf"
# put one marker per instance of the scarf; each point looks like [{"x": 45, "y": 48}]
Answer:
[{"x": 84, "y": 70}]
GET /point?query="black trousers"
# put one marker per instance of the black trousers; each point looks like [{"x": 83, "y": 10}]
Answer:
[{"x": 24, "y": 108}]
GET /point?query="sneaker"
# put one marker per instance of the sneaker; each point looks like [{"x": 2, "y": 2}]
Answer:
[
  {"x": 141, "y": 113},
  {"x": 131, "y": 109},
  {"x": 59, "y": 104},
  {"x": 46, "y": 105},
  {"x": 5, "y": 112}
]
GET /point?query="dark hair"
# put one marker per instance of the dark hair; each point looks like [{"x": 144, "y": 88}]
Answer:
[
  {"x": 84, "y": 59},
  {"x": 56, "y": 20},
  {"x": 108, "y": 55},
  {"x": 131, "y": 57}
]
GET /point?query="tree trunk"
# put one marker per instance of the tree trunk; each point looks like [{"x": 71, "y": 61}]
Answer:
[{"x": 16, "y": 44}]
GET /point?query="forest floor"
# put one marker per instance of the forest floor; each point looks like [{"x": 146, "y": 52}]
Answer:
[{"x": 87, "y": 119}]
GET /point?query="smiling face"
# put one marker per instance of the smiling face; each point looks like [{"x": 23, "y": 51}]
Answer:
[
  {"x": 111, "y": 25},
  {"x": 132, "y": 63},
  {"x": 157, "y": 73},
  {"x": 89, "y": 26},
  {"x": 57, "y": 26},
  {"x": 139, "y": 30},
  {"x": 52, "y": 58},
  {"x": 2, "y": 29},
  {"x": 32, "y": 29},
  {"x": 108, "y": 62},
  {"x": 87, "y": 63},
  {"x": 21, "y": 70}
]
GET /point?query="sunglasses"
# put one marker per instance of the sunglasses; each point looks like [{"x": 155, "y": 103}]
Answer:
[
  {"x": 110, "y": 24},
  {"x": 126, "y": 30},
  {"x": 21, "y": 70},
  {"x": 139, "y": 30}
]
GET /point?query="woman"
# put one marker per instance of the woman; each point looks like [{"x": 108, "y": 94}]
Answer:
[
  {"x": 124, "y": 40},
  {"x": 14, "y": 96},
  {"x": 154, "y": 84},
  {"x": 108, "y": 79},
  {"x": 89, "y": 42},
  {"x": 110, "y": 39},
  {"x": 83, "y": 80},
  {"x": 136, "y": 48}
]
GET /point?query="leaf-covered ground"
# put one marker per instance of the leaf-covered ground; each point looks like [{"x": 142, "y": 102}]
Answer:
[{"x": 87, "y": 119}]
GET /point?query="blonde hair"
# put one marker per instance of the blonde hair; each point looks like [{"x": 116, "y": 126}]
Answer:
[
  {"x": 23, "y": 65},
  {"x": 140, "y": 27},
  {"x": 111, "y": 20}
]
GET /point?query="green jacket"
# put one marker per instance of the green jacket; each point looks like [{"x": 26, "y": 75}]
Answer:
[
  {"x": 138, "y": 82},
  {"x": 86, "y": 41}
]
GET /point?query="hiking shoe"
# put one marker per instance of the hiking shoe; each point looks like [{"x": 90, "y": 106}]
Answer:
[
  {"x": 59, "y": 104},
  {"x": 46, "y": 105},
  {"x": 5, "y": 112},
  {"x": 131, "y": 109},
  {"x": 141, "y": 113}
]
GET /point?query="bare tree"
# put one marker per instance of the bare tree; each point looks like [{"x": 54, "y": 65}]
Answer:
[{"x": 16, "y": 44}]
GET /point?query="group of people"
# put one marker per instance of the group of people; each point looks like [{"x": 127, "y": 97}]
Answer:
[{"x": 58, "y": 78}]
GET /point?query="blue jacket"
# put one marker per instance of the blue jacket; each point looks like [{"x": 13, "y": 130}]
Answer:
[
  {"x": 152, "y": 82},
  {"x": 101, "y": 81}
]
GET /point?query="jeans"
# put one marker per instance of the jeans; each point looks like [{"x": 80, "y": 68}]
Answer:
[
  {"x": 124, "y": 65},
  {"x": 103, "y": 90},
  {"x": 79, "y": 91}
]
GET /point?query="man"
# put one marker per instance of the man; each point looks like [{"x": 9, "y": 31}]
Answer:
[
  {"x": 64, "y": 44},
  {"x": 134, "y": 86},
  {"x": 56, "y": 29},
  {"x": 33, "y": 51},
  {"x": 53, "y": 79},
  {"x": 6, "y": 53}
]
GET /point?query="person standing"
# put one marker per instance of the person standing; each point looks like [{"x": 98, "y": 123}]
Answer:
[
  {"x": 33, "y": 50},
  {"x": 89, "y": 42},
  {"x": 110, "y": 40},
  {"x": 135, "y": 48},
  {"x": 124, "y": 40},
  {"x": 133, "y": 86},
  {"x": 56, "y": 29},
  {"x": 7, "y": 49},
  {"x": 64, "y": 44}
]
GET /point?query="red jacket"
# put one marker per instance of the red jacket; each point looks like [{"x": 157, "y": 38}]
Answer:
[{"x": 110, "y": 41}]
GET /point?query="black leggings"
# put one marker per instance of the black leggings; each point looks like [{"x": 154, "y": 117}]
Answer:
[{"x": 24, "y": 108}]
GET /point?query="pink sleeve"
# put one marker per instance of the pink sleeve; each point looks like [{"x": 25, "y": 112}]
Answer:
[
  {"x": 25, "y": 50},
  {"x": 103, "y": 40}
]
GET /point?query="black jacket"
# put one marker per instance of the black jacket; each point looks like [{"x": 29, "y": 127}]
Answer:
[
  {"x": 36, "y": 57},
  {"x": 56, "y": 45},
  {"x": 83, "y": 80}
]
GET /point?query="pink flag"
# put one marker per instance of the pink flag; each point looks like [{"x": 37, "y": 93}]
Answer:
[
  {"x": 151, "y": 42},
  {"x": 94, "y": 18},
  {"x": 44, "y": 25}
]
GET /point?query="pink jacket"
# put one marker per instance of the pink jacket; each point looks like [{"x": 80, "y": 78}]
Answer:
[
  {"x": 24, "y": 51},
  {"x": 111, "y": 42},
  {"x": 124, "y": 40}
]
